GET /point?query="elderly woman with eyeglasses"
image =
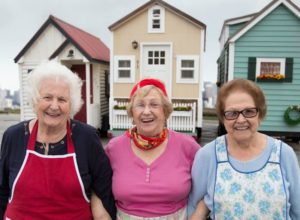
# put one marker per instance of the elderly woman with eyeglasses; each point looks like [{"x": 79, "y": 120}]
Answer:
[
  {"x": 245, "y": 174},
  {"x": 151, "y": 163}
]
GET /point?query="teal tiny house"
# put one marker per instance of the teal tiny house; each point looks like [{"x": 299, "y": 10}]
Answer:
[{"x": 265, "y": 47}]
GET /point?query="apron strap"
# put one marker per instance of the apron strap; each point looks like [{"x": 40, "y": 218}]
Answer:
[{"x": 33, "y": 136}]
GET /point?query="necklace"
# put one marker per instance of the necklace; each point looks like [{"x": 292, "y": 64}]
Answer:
[{"x": 147, "y": 143}]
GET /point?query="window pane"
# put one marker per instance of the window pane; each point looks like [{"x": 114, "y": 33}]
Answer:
[
  {"x": 187, "y": 74},
  {"x": 187, "y": 63},
  {"x": 150, "y": 53},
  {"x": 124, "y": 73},
  {"x": 150, "y": 61},
  {"x": 156, "y": 61},
  {"x": 156, "y": 23},
  {"x": 269, "y": 68},
  {"x": 156, "y": 12},
  {"x": 162, "y": 61},
  {"x": 156, "y": 53},
  {"x": 124, "y": 63},
  {"x": 162, "y": 54}
]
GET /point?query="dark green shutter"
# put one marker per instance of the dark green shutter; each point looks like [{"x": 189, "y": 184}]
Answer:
[
  {"x": 252, "y": 68},
  {"x": 289, "y": 69}
]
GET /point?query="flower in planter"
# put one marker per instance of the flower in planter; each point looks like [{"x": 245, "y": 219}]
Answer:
[{"x": 276, "y": 76}]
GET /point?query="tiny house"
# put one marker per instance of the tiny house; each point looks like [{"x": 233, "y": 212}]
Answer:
[
  {"x": 158, "y": 40},
  {"x": 80, "y": 51},
  {"x": 264, "y": 47}
]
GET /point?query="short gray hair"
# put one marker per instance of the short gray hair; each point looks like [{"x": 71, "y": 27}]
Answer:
[{"x": 54, "y": 70}]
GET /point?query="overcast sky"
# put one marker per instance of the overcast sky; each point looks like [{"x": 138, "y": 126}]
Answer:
[{"x": 20, "y": 20}]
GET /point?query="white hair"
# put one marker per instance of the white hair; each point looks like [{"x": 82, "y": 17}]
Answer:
[{"x": 55, "y": 70}]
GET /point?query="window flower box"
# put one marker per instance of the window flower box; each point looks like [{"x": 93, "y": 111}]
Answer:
[{"x": 269, "y": 77}]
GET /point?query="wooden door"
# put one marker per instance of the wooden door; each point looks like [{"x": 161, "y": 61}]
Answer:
[{"x": 80, "y": 71}]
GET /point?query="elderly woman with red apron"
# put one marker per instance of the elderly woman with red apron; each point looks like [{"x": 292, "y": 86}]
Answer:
[{"x": 50, "y": 165}]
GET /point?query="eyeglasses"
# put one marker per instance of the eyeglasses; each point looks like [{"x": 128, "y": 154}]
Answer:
[
  {"x": 247, "y": 113},
  {"x": 152, "y": 106}
]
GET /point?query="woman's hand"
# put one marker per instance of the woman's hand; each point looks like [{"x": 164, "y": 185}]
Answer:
[
  {"x": 200, "y": 212},
  {"x": 98, "y": 211}
]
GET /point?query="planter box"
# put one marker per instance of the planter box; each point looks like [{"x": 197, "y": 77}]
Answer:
[
  {"x": 182, "y": 113},
  {"x": 119, "y": 112},
  {"x": 271, "y": 80}
]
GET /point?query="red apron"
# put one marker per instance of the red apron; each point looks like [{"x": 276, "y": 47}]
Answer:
[{"x": 48, "y": 187}]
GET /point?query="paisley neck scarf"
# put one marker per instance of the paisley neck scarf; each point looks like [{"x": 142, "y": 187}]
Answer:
[{"x": 147, "y": 143}]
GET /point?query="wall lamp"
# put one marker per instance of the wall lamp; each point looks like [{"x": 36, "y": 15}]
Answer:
[
  {"x": 71, "y": 54},
  {"x": 134, "y": 44}
]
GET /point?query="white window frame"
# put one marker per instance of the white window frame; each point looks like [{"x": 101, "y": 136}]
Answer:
[
  {"x": 193, "y": 80},
  {"x": 273, "y": 60},
  {"x": 161, "y": 19},
  {"x": 130, "y": 79}
]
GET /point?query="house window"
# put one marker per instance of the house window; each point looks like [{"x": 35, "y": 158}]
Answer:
[
  {"x": 124, "y": 69},
  {"x": 187, "y": 69},
  {"x": 156, "y": 19},
  {"x": 270, "y": 69},
  {"x": 156, "y": 57}
]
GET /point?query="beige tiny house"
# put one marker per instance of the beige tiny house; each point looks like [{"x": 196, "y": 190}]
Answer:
[
  {"x": 158, "y": 40},
  {"x": 80, "y": 51}
]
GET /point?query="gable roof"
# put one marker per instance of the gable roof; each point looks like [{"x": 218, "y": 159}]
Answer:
[
  {"x": 236, "y": 20},
  {"x": 263, "y": 13},
  {"x": 156, "y": 2},
  {"x": 90, "y": 46}
]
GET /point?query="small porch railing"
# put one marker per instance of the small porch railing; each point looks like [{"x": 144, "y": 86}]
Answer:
[{"x": 183, "y": 117}]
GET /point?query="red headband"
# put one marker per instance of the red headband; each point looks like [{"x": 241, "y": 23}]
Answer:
[{"x": 146, "y": 82}]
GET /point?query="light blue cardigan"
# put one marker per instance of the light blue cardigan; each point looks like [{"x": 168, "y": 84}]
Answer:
[{"x": 204, "y": 172}]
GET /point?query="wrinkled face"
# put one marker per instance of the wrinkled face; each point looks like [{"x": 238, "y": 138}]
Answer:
[
  {"x": 241, "y": 128},
  {"x": 148, "y": 114},
  {"x": 53, "y": 106}
]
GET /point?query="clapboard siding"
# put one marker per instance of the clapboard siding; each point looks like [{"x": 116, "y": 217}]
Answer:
[
  {"x": 277, "y": 35},
  {"x": 27, "y": 111},
  {"x": 234, "y": 28}
]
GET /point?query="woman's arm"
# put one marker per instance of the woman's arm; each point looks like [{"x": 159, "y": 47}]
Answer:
[
  {"x": 201, "y": 211},
  {"x": 4, "y": 185},
  {"x": 291, "y": 169},
  {"x": 101, "y": 173},
  {"x": 98, "y": 211}
]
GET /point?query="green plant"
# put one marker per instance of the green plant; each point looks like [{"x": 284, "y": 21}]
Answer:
[
  {"x": 120, "y": 107},
  {"x": 182, "y": 108}
]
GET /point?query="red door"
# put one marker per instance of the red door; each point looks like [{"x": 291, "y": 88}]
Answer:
[{"x": 80, "y": 71}]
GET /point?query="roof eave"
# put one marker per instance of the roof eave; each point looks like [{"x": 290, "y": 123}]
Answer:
[
  {"x": 261, "y": 14},
  {"x": 33, "y": 39},
  {"x": 155, "y": 2}
]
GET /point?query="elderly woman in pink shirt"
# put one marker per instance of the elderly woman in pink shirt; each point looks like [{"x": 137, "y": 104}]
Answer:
[{"x": 151, "y": 164}]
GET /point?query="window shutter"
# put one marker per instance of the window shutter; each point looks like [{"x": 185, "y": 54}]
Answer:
[
  {"x": 252, "y": 68},
  {"x": 289, "y": 69}
]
